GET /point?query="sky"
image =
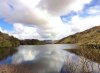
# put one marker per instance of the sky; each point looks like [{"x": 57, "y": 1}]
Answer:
[{"x": 47, "y": 19}]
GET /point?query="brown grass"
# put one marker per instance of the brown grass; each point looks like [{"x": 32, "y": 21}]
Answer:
[{"x": 89, "y": 53}]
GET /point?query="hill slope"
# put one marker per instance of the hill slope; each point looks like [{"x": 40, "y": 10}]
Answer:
[
  {"x": 87, "y": 37},
  {"x": 8, "y": 41}
]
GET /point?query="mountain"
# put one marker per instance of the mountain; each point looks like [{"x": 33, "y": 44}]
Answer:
[{"x": 87, "y": 37}]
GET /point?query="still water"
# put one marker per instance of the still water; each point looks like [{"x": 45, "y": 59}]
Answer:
[{"x": 49, "y": 58}]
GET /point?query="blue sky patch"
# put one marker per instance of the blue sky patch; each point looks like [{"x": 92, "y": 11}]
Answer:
[
  {"x": 6, "y": 26},
  {"x": 85, "y": 12}
]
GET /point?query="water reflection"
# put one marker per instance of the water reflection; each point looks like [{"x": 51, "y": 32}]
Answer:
[
  {"x": 79, "y": 64},
  {"x": 50, "y": 59}
]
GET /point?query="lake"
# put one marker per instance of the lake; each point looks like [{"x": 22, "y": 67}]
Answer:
[{"x": 50, "y": 58}]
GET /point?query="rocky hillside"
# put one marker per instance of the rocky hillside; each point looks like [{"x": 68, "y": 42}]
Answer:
[{"x": 87, "y": 37}]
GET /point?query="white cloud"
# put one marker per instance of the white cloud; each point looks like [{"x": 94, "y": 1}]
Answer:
[
  {"x": 79, "y": 24},
  {"x": 43, "y": 14},
  {"x": 87, "y": 22},
  {"x": 78, "y": 5},
  {"x": 25, "y": 32}
]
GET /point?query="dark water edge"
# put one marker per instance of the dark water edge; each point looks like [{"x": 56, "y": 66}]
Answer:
[{"x": 6, "y": 51}]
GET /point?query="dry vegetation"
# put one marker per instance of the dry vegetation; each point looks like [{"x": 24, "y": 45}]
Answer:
[
  {"x": 83, "y": 66},
  {"x": 89, "y": 53},
  {"x": 87, "y": 58}
]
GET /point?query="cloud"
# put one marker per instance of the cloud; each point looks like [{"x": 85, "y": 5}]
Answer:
[
  {"x": 78, "y": 5},
  {"x": 94, "y": 10},
  {"x": 63, "y": 6},
  {"x": 21, "y": 12},
  {"x": 55, "y": 6},
  {"x": 44, "y": 15},
  {"x": 43, "y": 60},
  {"x": 79, "y": 24},
  {"x": 25, "y": 32},
  {"x": 28, "y": 32}
]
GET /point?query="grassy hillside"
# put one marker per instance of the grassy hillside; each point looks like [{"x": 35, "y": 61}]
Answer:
[
  {"x": 87, "y": 37},
  {"x": 8, "y": 41}
]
